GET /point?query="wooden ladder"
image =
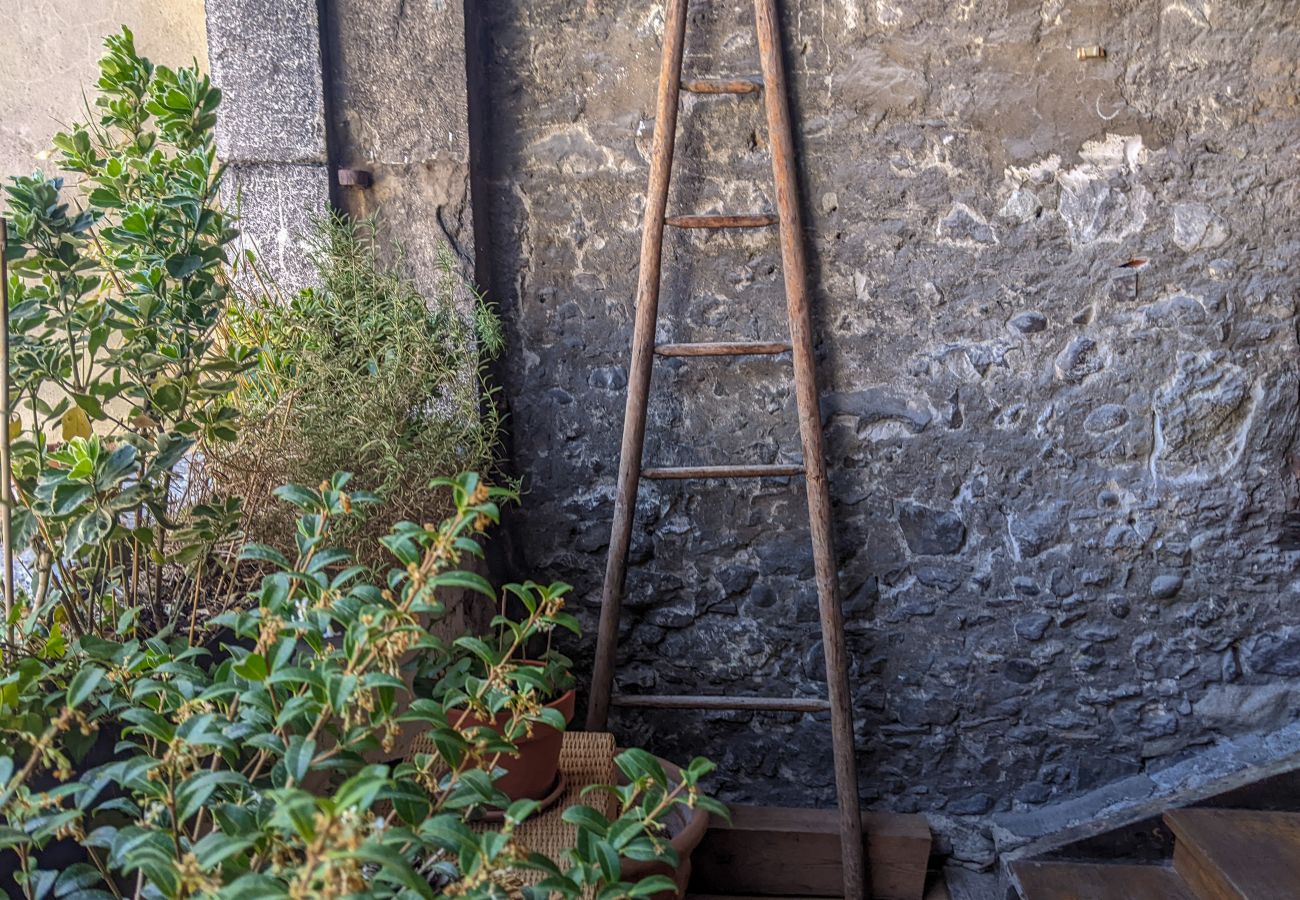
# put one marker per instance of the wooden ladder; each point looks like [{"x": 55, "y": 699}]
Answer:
[{"x": 838, "y": 702}]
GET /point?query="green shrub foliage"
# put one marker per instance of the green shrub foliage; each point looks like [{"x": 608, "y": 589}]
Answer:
[
  {"x": 250, "y": 753},
  {"x": 263, "y": 773},
  {"x": 363, "y": 373},
  {"x": 116, "y": 295}
]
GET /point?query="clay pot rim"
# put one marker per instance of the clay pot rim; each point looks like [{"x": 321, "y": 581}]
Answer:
[
  {"x": 686, "y": 840},
  {"x": 565, "y": 703}
]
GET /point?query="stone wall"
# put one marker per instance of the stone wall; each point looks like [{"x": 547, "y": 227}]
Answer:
[
  {"x": 271, "y": 134},
  {"x": 48, "y": 52},
  {"x": 1057, "y": 326}
]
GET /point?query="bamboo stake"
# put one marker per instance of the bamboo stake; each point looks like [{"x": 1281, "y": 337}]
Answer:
[
  {"x": 6, "y": 466},
  {"x": 643, "y": 348},
  {"x": 795, "y": 269}
]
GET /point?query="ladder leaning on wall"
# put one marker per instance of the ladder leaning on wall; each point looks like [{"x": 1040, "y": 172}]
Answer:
[{"x": 794, "y": 264}]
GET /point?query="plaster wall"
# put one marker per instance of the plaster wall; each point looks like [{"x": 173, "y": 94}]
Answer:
[{"x": 48, "y": 55}]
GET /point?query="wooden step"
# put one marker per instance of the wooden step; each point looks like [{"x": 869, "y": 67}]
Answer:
[
  {"x": 759, "y": 220},
  {"x": 786, "y": 852},
  {"x": 774, "y": 471},
  {"x": 712, "y": 701},
  {"x": 723, "y": 85},
  {"x": 1237, "y": 854},
  {"x": 724, "y": 348},
  {"x": 1098, "y": 881}
]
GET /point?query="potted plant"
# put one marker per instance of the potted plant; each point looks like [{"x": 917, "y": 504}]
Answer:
[
  {"x": 681, "y": 828},
  {"x": 533, "y": 701}
]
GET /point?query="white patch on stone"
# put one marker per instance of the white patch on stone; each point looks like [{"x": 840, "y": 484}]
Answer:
[
  {"x": 653, "y": 23},
  {"x": 1197, "y": 227},
  {"x": 965, "y": 227},
  {"x": 889, "y": 15},
  {"x": 1038, "y": 173},
  {"x": 1021, "y": 206},
  {"x": 1114, "y": 152},
  {"x": 1101, "y": 200},
  {"x": 574, "y": 151},
  {"x": 851, "y": 17},
  {"x": 860, "y": 287},
  {"x": 1197, "y": 12},
  {"x": 1201, "y": 418}
]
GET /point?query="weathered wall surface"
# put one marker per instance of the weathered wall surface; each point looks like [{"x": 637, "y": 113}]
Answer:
[
  {"x": 271, "y": 134},
  {"x": 1065, "y": 488},
  {"x": 48, "y": 51},
  {"x": 399, "y": 110}
]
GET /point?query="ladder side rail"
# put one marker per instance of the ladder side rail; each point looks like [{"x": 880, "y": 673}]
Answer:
[
  {"x": 643, "y": 345},
  {"x": 795, "y": 266}
]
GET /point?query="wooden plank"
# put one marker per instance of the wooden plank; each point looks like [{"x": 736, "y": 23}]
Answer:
[
  {"x": 774, "y": 471},
  {"x": 713, "y": 702},
  {"x": 759, "y": 220},
  {"x": 777, "y": 851},
  {"x": 643, "y": 341},
  {"x": 1237, "y": 854},
  {"x": 724, "y": 348},
  {"x": 723, "y": 86},
  {"x": 1098, "y": 881},
  {"x": 794, "y": 264}
]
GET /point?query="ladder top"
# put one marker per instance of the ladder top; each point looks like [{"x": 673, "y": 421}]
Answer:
[
  {"x": 720, "y": 702},
  {"x": 757, "y": 471}
]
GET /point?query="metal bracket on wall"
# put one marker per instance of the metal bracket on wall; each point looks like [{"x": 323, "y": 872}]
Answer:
[{"x": 354, "y": 178}]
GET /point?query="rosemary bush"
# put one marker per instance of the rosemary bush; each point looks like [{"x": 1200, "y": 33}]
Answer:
[{"x": 363, "y": 374}]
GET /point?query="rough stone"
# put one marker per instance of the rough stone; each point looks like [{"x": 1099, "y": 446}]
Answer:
[
  {"x": 1242, "y": 707},
  {"x": 931, "y": 531},
  {"x": 277, "y": 225},
  {"x": 1078, "y": 360},
  {"x": 1197, "y": 227},
  {"x": 1036, "y": 530},
  {"x": 1165, "y": 586},
  {"x": 265, "y": 57},
  {"x": 1106, "y": 417},
  {"x": 1277, "y": 653},
  {"x": 1029, "y": 323}
]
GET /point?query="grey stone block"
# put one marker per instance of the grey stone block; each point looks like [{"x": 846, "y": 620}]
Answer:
[
  {"x": 265, "y": 57},
  {"x": 276, "y": 203}
]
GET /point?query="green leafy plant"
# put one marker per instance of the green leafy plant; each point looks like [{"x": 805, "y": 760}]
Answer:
[
  {"x": 261, "y": 772},
  {"x": 364, "y": 373},
  {"x": 116, "y": 294}
]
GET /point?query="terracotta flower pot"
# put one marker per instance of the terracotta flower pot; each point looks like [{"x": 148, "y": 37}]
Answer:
[
  {"x": 531, "y": 774},
  {"x": 686, "y": 829}
]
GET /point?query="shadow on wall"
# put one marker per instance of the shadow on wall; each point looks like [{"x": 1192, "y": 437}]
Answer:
[{"x": 1060, "y": 488}]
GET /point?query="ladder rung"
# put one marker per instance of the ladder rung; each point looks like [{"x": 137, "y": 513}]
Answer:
[
  {"x": 723, "y": 85},
  {"x": 732, "y": 348},
  {"x": 775, "y": 471},
  {"x": 754, "y": 221},
  {"x": 686, "y": 701}
]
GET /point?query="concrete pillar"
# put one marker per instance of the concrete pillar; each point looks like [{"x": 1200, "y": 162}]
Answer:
[{"x": 266, "y": 57}]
